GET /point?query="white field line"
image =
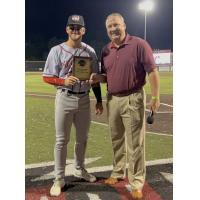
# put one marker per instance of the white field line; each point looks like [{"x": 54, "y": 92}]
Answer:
[
  {"x": 53, "y": 96},
  {"x": 103, "y": 124},
  {"x": 167, "y": 105},
  {"x": 99, "y": 123},
  {"x": 153, "y": 133},
  {"x": 93, "y": 196},
  {"x": 68, "y": 162},
  {"x": 161, "y": 112},
  {"x": 161, "y": 134},
  {"x": 167, "y": 176},
  {"x": 164, "y": 112},
  {"x": 44, "y": 198},
  {"x": 40, "y": 95},
  {"x": 103, "y": 168},
  {"x": 148, "y": 163},
  {"x": 91, "y": 98}
]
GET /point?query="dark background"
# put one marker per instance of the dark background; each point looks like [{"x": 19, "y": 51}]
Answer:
[{"x": 46, "y": 21}]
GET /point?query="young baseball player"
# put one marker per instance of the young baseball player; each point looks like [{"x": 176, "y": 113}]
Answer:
[{"x": 72, "y": 103}]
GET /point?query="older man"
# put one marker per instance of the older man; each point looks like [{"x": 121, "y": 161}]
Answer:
[{"x": 125, "y": 62}]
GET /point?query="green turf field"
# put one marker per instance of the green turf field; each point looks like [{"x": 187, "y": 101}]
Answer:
[
  {"x": 35, "y": 84},
  {"x": 40, "y": 137},
  {"x": 40, "y": 133}
]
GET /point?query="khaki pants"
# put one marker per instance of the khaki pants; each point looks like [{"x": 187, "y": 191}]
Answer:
[{"x": 126, "y": 119}]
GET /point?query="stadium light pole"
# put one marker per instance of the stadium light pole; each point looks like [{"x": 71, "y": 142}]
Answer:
[{"x": 146, "y": 6}]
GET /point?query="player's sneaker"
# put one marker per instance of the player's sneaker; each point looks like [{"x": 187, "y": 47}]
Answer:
[
  {"x": 82, "y": 173},
  {"x": 56, "y": 187}
]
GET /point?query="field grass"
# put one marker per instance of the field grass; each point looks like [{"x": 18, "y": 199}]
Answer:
[
  {"x": 35, "y": 84},
  {"x": 40, "y": 137}
]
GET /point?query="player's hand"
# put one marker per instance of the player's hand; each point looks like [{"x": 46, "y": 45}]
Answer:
[
  {"x": 94, "y": 78},
  {"x": 71, "y": 80},
  {"x": 99, "y": 108},
  {"x": 154, "y": 105}
]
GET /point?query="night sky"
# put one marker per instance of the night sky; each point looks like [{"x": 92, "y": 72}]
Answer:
[{"x": 47, "y": 19}]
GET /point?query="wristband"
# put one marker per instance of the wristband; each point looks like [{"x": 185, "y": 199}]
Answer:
[{"x": 155, "y": 98}]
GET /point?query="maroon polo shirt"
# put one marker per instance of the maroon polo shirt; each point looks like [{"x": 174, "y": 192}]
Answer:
[{"x": 126, "y": 66}]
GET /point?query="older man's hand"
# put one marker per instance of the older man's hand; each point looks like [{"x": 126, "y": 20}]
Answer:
[{"x": 154, "y": 105}]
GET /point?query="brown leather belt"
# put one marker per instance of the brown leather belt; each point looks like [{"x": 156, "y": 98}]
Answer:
[{"x": 126, "y": 93}]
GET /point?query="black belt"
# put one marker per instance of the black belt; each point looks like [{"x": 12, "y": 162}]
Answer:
[{"x": 71, "y": 92}]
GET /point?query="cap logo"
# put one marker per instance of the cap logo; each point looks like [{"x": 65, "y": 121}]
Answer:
[{"x": 75, "y": 18}]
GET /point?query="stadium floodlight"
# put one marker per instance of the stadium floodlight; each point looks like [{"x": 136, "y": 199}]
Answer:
[{"x": 146, "y": 6}]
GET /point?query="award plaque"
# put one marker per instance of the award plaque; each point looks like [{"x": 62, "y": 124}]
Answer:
[{"x": 82, "y": 67}]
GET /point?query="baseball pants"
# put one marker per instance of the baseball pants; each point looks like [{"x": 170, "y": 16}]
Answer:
[{"x": 70, "y": 108}]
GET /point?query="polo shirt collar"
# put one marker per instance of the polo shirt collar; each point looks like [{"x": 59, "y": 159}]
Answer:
[{"x": 126, "y": 41}]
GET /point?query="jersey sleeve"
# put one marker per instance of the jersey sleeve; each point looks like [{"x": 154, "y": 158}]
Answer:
[
  {"x": 52, "y": 64},
  {"x": 54, "y": 80},
  {"x": 95, "y": 64},
  {"x": 146, "y": 56}
]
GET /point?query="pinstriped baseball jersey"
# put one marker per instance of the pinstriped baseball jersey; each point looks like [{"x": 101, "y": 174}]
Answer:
[{"x": 60, "y": 61}]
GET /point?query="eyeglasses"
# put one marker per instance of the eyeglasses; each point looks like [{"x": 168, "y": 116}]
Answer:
[{"x": 75, "y": 28}]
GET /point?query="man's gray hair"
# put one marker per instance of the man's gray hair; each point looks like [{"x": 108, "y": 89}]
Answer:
[{"x": 115, "y": 15}]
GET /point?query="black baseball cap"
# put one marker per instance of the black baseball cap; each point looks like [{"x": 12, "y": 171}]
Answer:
[{"x": 75, "y": 20}]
